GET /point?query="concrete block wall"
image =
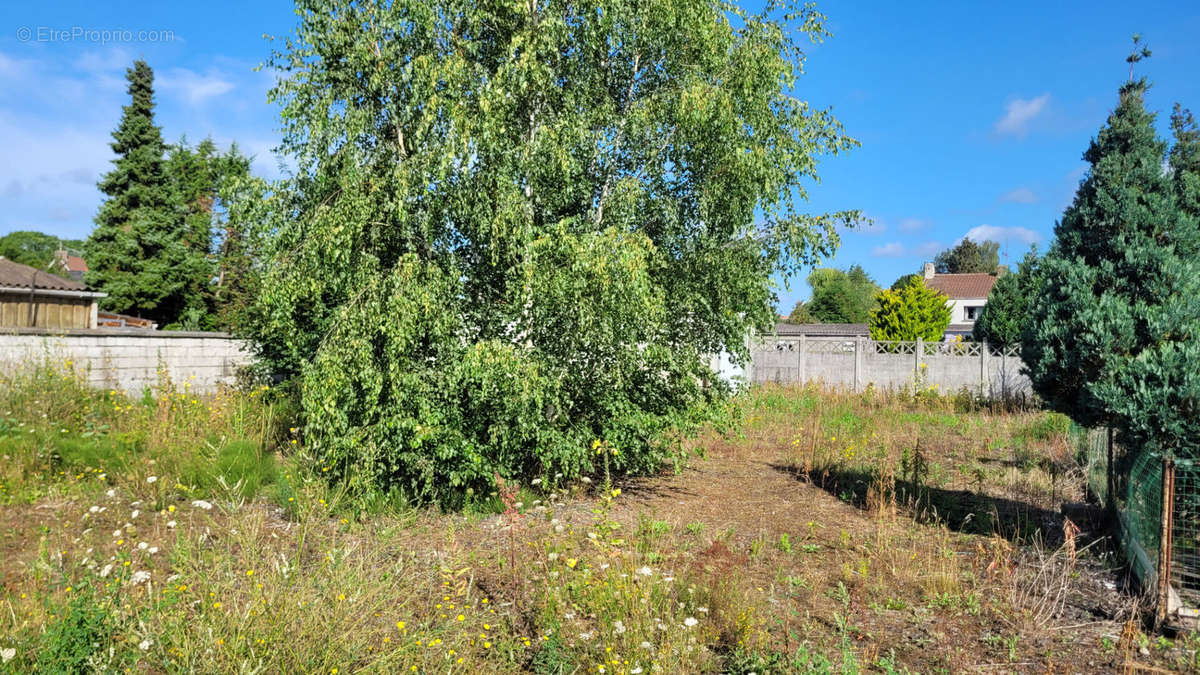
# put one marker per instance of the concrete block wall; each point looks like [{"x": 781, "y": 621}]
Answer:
[
  {"x": 856, "y": 363},
  {"x": 131, "y": 360}
]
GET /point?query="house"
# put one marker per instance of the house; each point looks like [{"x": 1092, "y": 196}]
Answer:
[
  {"x": 966, "y": 295},
  {"x": 66, "y": 265},
  {"x": 31, "y": 298}
]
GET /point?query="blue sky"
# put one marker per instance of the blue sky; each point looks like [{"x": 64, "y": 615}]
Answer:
[{"x": 973, "y": 117}]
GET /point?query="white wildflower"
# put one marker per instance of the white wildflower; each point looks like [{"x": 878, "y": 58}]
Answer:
[
  {"x": 107, "y": 568},
  {"x": 702, "y": 609},
  {"x": 7, "y": 655},
  {"x": 145, "y": 644},
  {"x": 170, "y": 523},
  {"x": 536, "y": 481},
  {"x": 110, "y": 493},
  {"x": 586, "y": 636},
  {"x": 139, "y": 577},
  {"x": 151, "y": 479},
  {"x": 116, "y": 534},
  {"x": 635, "y": 671},
  {"x": 618, "y": 628},
  {"x": 645, "y": 645},
  {"x": 201, "y": 504},
  {"x": 152, "y": 550},
  {"x": 134, "y": 514},
  {"x": 94, "y": 509},
  {"x": 690, "y": 621},
  {"x": 143, "y": 545},
  {"x": 645, "y": 571}
]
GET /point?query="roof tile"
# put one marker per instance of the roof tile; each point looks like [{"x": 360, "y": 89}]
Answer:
[{"x": 960, "y": 286}]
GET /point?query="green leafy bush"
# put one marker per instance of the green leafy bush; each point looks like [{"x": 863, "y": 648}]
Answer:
[{"x": 516, "y": 229}]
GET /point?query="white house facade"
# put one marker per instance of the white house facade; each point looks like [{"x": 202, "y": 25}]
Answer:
[{"x": 966, "y": 294}]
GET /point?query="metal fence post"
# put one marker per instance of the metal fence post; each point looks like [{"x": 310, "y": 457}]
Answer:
[{"x": 1164, "y": 539}]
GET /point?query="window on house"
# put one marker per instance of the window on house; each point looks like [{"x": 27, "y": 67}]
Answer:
[{"x": 973, "y": 313}]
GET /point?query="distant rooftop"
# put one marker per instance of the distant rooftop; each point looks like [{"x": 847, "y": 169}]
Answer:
[
  {"x": 16, "y": 275},
  {"x": 962, "y": 286},
  {"x": 822, "y": 329}
]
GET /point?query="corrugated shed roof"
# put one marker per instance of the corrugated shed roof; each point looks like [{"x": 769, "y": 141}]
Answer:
[
  {"x": 960, "y": 286},
  {"x": 822, "y": 329},
  {"x": 14, "y": 274}
]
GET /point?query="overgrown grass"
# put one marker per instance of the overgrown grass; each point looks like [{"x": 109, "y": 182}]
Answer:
[{"x": 830, "y": 532}]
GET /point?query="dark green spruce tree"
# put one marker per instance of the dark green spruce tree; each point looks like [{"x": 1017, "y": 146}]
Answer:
[
  {"x": 1007, "y": 309},
  {"x": 139, "y": 253},
  {"x": 1112, "y": 338}
]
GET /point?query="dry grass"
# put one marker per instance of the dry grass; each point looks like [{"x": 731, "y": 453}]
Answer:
[{"x": 831, "y": 533}]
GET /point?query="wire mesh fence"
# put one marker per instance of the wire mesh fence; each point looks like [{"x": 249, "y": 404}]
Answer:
[
  {"x": 1185, "y": 534},
  {"x": 1132, "y": 485}
]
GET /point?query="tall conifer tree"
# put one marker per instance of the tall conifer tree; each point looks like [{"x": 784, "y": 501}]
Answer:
[
  {"x": 137, "y": 253},
  {"x": 1116, "y": 318}
]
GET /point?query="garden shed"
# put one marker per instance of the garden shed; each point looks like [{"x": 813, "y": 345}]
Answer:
[{"x": 32, "y": 298}]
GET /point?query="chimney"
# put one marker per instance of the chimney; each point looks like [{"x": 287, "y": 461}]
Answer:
[{"x": 928, "y": 270}]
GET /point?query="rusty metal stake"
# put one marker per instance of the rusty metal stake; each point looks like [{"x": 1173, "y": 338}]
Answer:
[{"x": 1164, "y": 541}]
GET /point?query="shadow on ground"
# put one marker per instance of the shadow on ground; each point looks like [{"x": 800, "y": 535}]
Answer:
[{"x": 960, "y": 510}]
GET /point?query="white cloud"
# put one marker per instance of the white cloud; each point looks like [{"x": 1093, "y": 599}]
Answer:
[
  {"x": 1021, "y": 195},
  {"x": 1002, "y": 234},
  {"x": 1019, "y": 113},
  {"x": 896, "y": 249},
  {"x": 893, "y": 250},
  {"x": 194, "y": 87},
  {"x": 912, "y": 225},
  {"x": 58, "y": 110}
]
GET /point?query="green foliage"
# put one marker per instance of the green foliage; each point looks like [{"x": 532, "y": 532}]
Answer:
[
  {"x": 152, "y": 248},
  {"x": 80, "y": 629},
  {"x": 135, "y": 254},
  {"x": 914, "y": 311},
  {"x": 241, "y": 465},
  {"x": 35, "y": 249},
  {"x": 1119, "y": 284},
  {"x": 968, "y": 257},
  {"x": 1184, "y": 160},
  {"x": 1007, "y": 309},
  {"x": 841, "y": 296},
  {"x": 1113, "y": 333},
  {"x": 199, "y": 179},
  {"x": 903, "y": 281},
  {"x": 799, "y": 314},
  {"x": 517, "y": 228}
]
